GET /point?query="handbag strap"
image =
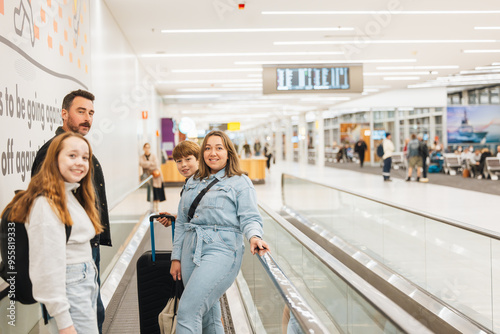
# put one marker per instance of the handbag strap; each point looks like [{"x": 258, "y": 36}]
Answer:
[
  {"x": 198, "y": 198},
  {"x": 176, "y": 296}
]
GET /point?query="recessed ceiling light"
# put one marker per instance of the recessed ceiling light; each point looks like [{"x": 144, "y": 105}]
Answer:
[
  {"x": 438, "y": 67},
  {"x": 243, "y": 85},
  {"x": 487, "y": 28},
  {"x": 186, "y": 90},
  {"x": 481, "y": 71},
  {"x": 215, "y": 70},
  {"x": 313, "y": 99},
  {"x": 179, "y": 31},
  {"x": 400, "y": 41},
  {"x": 380, "y": 12},
  {"x": 305, "y": 62},
  {"x": 191, "y": 96},
  {"x": 400, "y": 73},
  {"x": 241, "y": 54},
  {"x": 170, "y": 82},
  {"x": 481, "y": 51},
  {"x": 401, "y": 78}
]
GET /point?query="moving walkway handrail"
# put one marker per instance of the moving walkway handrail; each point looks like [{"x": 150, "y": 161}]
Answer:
[
  {"x": 120, "y": 199},
  {"x": 461, "y": 225},
  {"x": 380, "y": 302},
  {"x": 304, "y": 314}
]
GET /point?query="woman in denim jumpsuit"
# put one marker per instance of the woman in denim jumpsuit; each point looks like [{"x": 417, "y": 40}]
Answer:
[{"x": 208, "y": 249}]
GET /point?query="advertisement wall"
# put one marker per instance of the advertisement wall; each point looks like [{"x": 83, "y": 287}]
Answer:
[
  {"x": 45, "y": 54},
  {"x": 474, "y": 124}
]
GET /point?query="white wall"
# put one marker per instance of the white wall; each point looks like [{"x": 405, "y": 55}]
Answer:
[{"x": 122, "y": 88}]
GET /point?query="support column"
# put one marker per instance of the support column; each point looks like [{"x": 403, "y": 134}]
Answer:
[
  {"x": 320, "y": 144},
  {"x": 372, "y": 144},
  {"x": 397, "y": 132},
  {"x": 278, "y": 142},
  {"x": 288, "y": 140},
  {"x": 302, "y": 139}
]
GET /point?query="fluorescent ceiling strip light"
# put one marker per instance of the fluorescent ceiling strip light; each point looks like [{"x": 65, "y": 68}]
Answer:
[
  {"x": 255, "y": 75},
  {"x": 373, "y": 90},
  {"x": 191, "y": 96},
  {"x": 479, "y": 68},
  {"x": 247, "y": 106},
  {"x": 487, "y": 28},
  {"x": 377, "y": 86},
  {"x": 306, "y": 62},
  {"x": 170, "y": 82},
  {"x": 401, "y": 78},
  {"x": 481, "y": 51},
  {"x": 495, "y": 64},
  {"x": 481, "y": 71},
  {"x": 379, "y": 12},
  {"x": 181, "y": 31},
  {"x": 313, "y": 99},
  {"x": 243, "y": 85},
  {"x": 240, "y": 54},
  {"x": 400, "y": 73},
  {"x": 470, "y": 78},
  {"x": 216, "y": 70},
  {"x": 187, "y": 90},
  {"x": 400, "y": 41},
  {"x": 443, "y": 67}
]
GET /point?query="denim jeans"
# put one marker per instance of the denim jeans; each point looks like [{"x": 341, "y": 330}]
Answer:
[
  {"x": 81, "y": 291},
  {"x": 96, "y": 255},
  {"x": 220, "y": 261}
]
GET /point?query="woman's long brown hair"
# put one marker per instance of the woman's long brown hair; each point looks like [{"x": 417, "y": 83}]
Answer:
[
  {"x": 48, "y": 182},
  {"x": 233, "y": 162}
]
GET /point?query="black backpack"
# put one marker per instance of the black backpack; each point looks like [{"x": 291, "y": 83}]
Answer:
[
  {"x": 14, "y": 268},
  {"x": 380, "y": 150}
]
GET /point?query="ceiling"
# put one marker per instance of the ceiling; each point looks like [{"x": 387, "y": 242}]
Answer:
[{"x": 216, "y": 77}]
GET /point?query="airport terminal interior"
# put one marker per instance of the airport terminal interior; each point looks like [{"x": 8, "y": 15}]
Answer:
[{"x": 310, "y": 93}]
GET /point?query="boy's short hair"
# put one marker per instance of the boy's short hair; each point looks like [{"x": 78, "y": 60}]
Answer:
[{"x": 186, "y": 148}]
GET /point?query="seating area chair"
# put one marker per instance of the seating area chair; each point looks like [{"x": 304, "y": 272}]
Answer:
[
  {"x": 452, "y": 164},
  {"x": 468, "y": 166},
  {"x": 492, "y": 167},
  {"x": 398, "y": 160}
]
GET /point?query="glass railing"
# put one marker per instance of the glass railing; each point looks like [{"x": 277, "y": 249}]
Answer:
[
  {"x": 338, "y": 305},
  {"x": 456, "y": 263}
]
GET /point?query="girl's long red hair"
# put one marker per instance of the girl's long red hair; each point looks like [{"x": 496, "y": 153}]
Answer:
[{"x": 48, "y": 182}]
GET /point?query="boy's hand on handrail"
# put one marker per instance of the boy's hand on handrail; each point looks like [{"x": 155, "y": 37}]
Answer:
[{"x": 165, "y": 221}]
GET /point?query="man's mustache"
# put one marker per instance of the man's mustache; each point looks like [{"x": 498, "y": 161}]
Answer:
[{"x": 87, "y": 124}]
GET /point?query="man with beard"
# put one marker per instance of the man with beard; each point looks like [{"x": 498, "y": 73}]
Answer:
[{"x": 77, "y": 115}]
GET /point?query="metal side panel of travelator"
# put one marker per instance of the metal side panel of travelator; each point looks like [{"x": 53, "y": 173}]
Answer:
[{"x": 300, "y": 288}]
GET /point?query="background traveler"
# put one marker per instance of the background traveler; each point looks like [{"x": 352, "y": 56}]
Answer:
[
  {"x": 151, "y": 166},
  {"x": 387, "y": 157},
  {"x": 414, "y": 158},
  {"x": 360, "y": 148}
]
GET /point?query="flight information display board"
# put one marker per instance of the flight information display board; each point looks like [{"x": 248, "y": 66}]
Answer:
[{"x": 312, "y": 78}]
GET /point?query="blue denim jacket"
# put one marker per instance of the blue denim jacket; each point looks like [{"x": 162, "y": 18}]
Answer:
[{"x": 231, "y": 204}]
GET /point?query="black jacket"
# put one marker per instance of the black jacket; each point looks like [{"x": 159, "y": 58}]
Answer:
[{"x": 98, "y": 177}]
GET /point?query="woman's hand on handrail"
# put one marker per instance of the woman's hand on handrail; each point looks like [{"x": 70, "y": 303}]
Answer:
[{"x": 257, "y": 245}]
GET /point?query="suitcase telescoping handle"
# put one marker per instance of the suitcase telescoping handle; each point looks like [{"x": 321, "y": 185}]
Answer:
[{"x": 151, "y": 227}]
